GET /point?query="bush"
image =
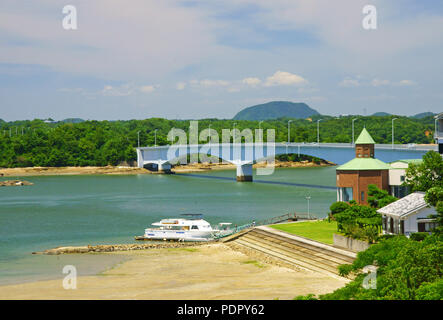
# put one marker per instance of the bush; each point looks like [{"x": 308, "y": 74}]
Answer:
[
  {"x": 385, "y": 237},
  {"x": 338, "y": 207},
  {"x": 419, "y": 236}
]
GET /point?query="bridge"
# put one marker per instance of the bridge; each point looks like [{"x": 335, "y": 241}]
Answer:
[{"x": 244, "y": 155}]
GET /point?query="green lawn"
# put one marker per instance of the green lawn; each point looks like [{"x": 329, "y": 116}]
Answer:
[{"x": 321, "y": 231}]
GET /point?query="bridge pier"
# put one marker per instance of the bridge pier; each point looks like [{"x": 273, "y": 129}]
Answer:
[
  {"x": 164, "y": 167},
  {"x": 244, "y": 172}
]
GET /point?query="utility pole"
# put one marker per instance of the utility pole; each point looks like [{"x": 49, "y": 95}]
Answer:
[
  {"x": 353, "y": 130},
  {"x": 318, "y": 131},
  {"x": 393, "y": 132}
]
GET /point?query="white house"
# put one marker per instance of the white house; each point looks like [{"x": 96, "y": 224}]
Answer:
[
  {"x": 408, "y": 215},
  {"x": 397, "y": 174}
]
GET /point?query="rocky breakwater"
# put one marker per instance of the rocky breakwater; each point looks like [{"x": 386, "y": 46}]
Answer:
[
  {"x": 117, "y": 247},
  {"x": 14, "y": 183}
]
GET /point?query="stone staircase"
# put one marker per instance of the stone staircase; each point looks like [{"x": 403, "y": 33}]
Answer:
[{"x": 294, "y": 250}]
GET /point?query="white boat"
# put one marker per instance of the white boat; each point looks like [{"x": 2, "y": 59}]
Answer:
[{"x": 191, "y": 228}]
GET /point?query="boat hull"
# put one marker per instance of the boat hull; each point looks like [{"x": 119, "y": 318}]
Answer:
[{"x": 177, "y": 235}]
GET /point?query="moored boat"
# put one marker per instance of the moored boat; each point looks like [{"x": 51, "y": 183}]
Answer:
[{"x": 190, "y": 228}]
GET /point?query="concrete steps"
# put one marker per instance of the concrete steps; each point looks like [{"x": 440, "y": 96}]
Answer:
[{"x": 296, "y": 251}]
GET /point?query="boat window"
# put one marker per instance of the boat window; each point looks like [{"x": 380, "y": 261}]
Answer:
[{"x": 194, "y": 227}]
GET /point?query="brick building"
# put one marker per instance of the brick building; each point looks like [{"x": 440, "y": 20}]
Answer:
[{"x": 354, "y": 176}]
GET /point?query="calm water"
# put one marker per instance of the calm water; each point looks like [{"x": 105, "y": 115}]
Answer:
[{"x": 81, "y": 210}]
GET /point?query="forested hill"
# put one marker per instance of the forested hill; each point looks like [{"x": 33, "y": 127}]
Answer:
[
  {"x": 99, "y": 143},
  {"x": 275, "y": 110}
]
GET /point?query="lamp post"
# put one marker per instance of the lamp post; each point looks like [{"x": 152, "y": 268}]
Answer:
[
  {"x": 353, "y": 130},
  {"x": 318, "y": 131},
  {"x": 309, "y": 213},
  {"x": 393, "y": 132},
  {"x": 138, "y": 139},
  {"x": 260, "y": 134},
  {"x": 235, "y": 123},
  {"x": 435, "y": 130},
  {"x": 155, "y": 137},
  {"x": 289, "y": 130}
]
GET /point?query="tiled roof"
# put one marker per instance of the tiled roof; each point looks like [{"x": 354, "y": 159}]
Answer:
[
  {"x": 364, "y": 164},
  {"x": 405, "y": 206}
]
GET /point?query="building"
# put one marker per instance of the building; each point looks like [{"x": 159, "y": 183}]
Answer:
[
  {"x": 408, "y": 215},
  {"x": 354, "y": 176},
  {"x": 397, "y": 174},
  {"x": 439, "y": 132}
]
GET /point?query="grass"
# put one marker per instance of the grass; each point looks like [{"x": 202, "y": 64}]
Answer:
[
  {"x": 254, "y": 263},
  {"x": 321, "y": 231}
]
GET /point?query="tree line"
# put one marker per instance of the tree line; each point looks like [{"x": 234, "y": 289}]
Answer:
[{"x": 100, "y": 143}]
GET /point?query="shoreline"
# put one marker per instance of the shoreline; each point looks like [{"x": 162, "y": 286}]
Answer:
[
  {"x": 123, "y": 170},
  {"x": 210, "y": 271}
]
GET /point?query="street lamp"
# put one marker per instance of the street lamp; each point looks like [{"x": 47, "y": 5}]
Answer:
[
  {"x": 289, "y": 130},
  {"x": 318, "y": 131},
  {"x": 259, "y": 131},
  {"x": 393, "y": 132},
  {"x": 155, "y": 137},
  {"x": 309, "y": 214},
  {"x": 138, "y": 139},
  {"x": 353, "y": 130},
  {"x": 235, "y": 123}
]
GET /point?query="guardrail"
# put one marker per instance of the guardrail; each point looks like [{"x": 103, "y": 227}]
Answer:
[{"x": 285, "y": 217}]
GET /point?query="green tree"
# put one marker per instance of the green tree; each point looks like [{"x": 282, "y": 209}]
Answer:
[
  {"x": 427, "y": 174},
  {"x": 378, "y": 198}
]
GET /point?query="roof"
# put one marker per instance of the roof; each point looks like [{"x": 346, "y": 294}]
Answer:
[
  {"x": 405, "y": 206},
  {"x": 364, "y": 164},
  {"x": 439, "y": 116},
  {"x": 364, "y": 138},
  {"x": 408, "y": 161}
]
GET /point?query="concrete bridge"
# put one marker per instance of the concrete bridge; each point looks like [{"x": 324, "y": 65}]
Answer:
[{"x": 244, "y": 155}]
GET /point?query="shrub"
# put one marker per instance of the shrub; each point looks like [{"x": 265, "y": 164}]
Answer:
[{"x": 419, "y": 236}]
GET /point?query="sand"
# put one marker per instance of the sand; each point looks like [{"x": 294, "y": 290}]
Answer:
[
  {"x": 195, "y": 167},
  {"x": 212, "y": 271}
]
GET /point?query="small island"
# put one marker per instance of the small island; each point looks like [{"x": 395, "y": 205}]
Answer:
[{"x": 14, "y": 183}]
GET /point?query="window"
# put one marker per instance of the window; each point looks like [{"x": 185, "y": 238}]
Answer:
[
  {"x": 362, "y": 197},
  {"x": 194, "y": 228},
  {"x": 346, "y": 194},
  {"x": 402, "y": 178}
]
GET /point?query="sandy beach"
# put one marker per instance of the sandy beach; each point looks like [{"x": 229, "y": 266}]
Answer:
[{"x": 213, "y": 271}]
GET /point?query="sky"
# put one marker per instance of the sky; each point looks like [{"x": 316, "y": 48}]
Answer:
[{"x": 193, "y": 59}]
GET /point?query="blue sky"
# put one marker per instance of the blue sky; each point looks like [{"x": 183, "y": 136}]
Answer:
[{"x": 196, "y": 59}]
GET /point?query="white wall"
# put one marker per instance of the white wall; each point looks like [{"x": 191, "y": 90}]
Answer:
[
  {"x": 394, "y": 176},
  {"x": 411, "y": 222}
]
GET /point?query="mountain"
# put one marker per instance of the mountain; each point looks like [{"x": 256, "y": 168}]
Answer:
[
  {"x": 73, "y": 120},
  {"x": 276, "y": 109},
  {"x": 381, "y": 114},
  {"x": 423, "y": 115}
]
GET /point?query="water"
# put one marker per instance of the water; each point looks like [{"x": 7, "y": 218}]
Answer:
[{"x": 81, "y": 210}]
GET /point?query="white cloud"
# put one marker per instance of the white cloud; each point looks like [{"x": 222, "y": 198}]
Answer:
[
  {"x": 147, "y": 89},
  {"x": 284, "y": 78},
  {"x": 406, "y": 83},
  {"x": 180, "y": 85},
  {"x": 253, "y": 82},
  {"x": 348, "y": 82}
]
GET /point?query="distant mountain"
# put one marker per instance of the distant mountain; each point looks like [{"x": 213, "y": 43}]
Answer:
[
  {"x": 72, "y": 120},
  {"x": 381, "y": 114},
  {"x": 423, "y": 115},
  {"x": 276, "y": 109}
]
